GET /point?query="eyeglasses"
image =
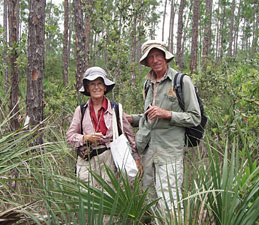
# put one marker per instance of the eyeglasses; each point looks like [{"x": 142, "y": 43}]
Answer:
[{"x": 98, "y": 84}]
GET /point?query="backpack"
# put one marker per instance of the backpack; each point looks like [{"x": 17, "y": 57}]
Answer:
[{"x": 193, "y": 135}]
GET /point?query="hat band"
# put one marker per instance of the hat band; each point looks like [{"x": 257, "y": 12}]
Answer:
[{"x": 158, "y": 45}]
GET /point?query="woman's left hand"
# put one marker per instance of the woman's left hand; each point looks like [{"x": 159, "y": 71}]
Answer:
[{"x": 140, "y": 168}]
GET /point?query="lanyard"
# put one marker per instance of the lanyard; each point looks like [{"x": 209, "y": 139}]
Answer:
[{"x": 99, "y": 119}]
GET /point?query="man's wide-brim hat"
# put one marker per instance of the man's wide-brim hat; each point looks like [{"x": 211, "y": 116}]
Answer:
[
  {"x": 148, "y": 45},
  {"x": 92, "y": 74}
]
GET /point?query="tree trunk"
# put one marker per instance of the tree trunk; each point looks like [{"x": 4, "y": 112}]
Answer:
[
  {"x": 70, "y": 30},
  {"x": 5, "y": 59},
  {"x": 222, "y": 33},
  {"x": 13, "y": 12},
  {"x": 195, "y": 28},
  {"x": 80, "y": 42},
  {"x": 237, "y": 28},
  {"x": 255, "y": 31},
  {"x": 231, "y": 28},
  {"x": 133, "y": 51},
  {"x": 217, "y": 34},
  {"x": 185, "y": 28},
  {"x": 179, "y": 35},
  {"x": 36, "y": 52},
  {"x": 163, "y": 26},
  {"x": 65, "y": 43},
  {"x": 87, "y": 30},
  {"x": 207, "y": 31},
  {"x": 171, "y": 28}
]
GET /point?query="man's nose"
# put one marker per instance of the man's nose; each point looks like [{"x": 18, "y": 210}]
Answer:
[{"x": 155, "y": 58}]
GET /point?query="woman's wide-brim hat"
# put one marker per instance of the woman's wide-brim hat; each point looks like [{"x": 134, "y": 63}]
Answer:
[
  {"x": 92, "y": 74},
  {"x": 148, "y": 45}
]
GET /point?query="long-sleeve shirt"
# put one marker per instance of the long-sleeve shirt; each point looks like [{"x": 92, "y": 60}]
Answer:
[
  {"x": 167, "y": 136},
  {"x": 76, "y": 139}
]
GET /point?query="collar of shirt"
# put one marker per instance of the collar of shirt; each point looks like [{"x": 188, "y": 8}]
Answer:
[{"x": 98, "y": 123}]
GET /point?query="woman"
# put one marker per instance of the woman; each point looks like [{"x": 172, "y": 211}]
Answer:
[{"x": 96, "y": 131}]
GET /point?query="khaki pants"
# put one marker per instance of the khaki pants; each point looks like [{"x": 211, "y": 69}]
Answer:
[
  {"x": 96, "y": 164},
  {"x": 159, "y": 178}
]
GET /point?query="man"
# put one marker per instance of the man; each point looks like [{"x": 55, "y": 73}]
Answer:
[{"x": 161, "y": 134}]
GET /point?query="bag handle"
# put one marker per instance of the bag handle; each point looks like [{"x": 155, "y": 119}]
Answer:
[
  {"x": 120, "y": 115},
  {"x": 117, "y": 118},
  {"x": 115, "y": 132}
]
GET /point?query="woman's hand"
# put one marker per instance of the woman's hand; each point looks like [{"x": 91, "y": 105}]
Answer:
[
  {"x": 140, "y": 168},
  {"x": 93, "y": 138}
]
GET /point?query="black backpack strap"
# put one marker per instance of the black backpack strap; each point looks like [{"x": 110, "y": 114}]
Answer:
[
  {"x": 82, "y": 108},
  {"x": 115, "y": 105},
  {"x": 178, "y": 84},
  {"x": 147, "y": 84}
]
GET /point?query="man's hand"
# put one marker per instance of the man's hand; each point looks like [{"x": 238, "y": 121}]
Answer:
[
  {"x": 155, "y": 111},
  {"x": 129, "y": 118}
]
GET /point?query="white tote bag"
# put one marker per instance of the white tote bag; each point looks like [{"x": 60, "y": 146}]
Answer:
[{"x": 121, "y": 149}]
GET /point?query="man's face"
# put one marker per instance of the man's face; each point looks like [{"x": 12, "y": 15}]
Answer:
[{"x": 156, "y": 60}]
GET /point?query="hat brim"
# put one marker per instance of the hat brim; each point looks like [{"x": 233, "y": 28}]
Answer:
[
  {"x": 108, "y": 83},
  {"x": 168, "y": 55}
]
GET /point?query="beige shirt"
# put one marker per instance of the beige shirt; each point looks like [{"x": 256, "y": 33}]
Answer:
[{"x": 165, "y": 136}]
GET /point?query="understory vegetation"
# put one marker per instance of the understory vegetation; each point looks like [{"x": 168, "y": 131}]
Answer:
[{"x": 221, "y": 185}]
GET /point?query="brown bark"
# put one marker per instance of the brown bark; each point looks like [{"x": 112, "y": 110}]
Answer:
[
  {"x": 231, "y": 28},
  {"x": 179, "y": 35},
  {"x": 217, "y": 34},
  {"x": 36, "y": 52},
  {"x": 140, "y": 39},
  {"x": 70, "y": 30},
  {"x": 222, "y": 33},
  {"x": 13, "y": 19},
  {"x": 255, "y": 31},
  {"x": 171, "y": 28},
  {"x": 185, "y": 28},
  {"x": 207, "y": 31},
  {"x": 65, "y": 43},
  {"x": 80, "y": 42},
  {"x": 133, "y": 52},
  {"x": 163, "y": 26},
  {"x": 5, "y": 59},
  {"x": 195, "y": 28},
  {"x": 237, "y": 28},
  {"x": 87, "y": 30}
]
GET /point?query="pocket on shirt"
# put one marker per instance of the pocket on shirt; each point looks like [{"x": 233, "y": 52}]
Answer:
[{"x": 170, "y": 103}]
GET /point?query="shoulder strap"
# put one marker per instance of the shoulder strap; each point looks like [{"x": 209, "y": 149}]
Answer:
[
  {"x": 82, "y": 108},
  {"x": 115, "y": 105},
  {"x": 178, "y": 84},
  {"x": 146, "y": 86}
]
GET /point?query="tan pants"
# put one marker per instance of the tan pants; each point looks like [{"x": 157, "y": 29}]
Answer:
[
  {"x": 161, "y": 179},
  {"x": 96, "y": 164}
]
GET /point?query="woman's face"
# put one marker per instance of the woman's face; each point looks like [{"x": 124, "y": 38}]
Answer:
[{"x": 96, "y": 88}]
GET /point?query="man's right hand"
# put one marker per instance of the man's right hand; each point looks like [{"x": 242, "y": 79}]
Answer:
[{"x": 129, "y": 118}]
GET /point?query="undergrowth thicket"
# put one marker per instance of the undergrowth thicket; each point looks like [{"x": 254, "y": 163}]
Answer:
[{"x": 221, "y": 183}]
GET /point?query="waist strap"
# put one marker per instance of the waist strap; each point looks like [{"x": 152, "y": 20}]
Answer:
[
  {"x": 97, "y": 151},
  {"x": 85, "y": 154}
]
